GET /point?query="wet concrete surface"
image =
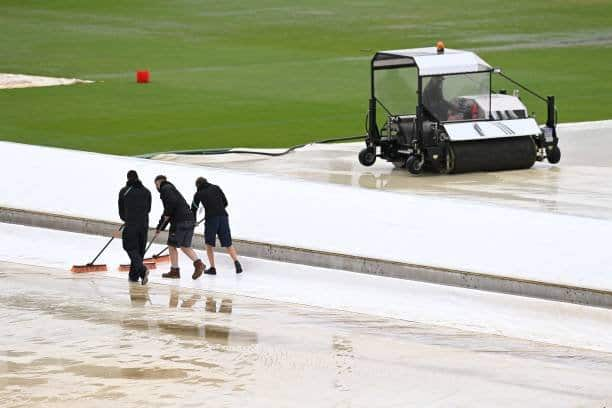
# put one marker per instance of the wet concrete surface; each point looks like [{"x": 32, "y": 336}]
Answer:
[
  {"x": 578, "y": 185},
  {"x": 94, "y": 340}
]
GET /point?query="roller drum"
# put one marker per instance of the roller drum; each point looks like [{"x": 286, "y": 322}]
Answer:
[{"x": 513, "y": 153}]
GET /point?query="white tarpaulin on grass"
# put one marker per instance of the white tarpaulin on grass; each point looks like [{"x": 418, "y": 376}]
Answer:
[
  {"x": 12, "y": 81},
  {"x": 433, "y": 231}
]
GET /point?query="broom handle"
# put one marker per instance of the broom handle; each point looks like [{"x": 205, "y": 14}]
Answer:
[
  {"x": 164, "y": 250},
  {"x": 105, "y": 246}
]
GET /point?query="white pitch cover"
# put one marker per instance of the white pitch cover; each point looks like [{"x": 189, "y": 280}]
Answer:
[{"x": 491, "y": 129}]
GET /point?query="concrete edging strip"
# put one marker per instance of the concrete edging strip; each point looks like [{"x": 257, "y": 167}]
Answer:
[{"x": 370, "y": 266}]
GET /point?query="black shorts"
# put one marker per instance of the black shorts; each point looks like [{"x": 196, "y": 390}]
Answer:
[
  {"x": 217, "y": 226},
  {"x": 181, "y": 234}
]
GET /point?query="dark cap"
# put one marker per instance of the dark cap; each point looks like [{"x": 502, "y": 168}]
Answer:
[{"x": 132, "y": 175}]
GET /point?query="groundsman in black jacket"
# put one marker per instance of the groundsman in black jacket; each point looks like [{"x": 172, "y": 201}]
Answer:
[
  {"x": 134, "y": 207},
  {"x": 182, "y": 222}
]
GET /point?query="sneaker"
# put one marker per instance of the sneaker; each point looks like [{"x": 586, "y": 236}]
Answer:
[
  {"x": 198, "y": 269},
  {"x": 211, "y": 271},
  {"x": 238, "y": 267},
  {"x": 145, "y": 276},
  {"x": 175, "y": 273}
]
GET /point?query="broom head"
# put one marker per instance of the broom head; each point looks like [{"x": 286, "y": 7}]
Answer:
[
  {"x": 148, "y": 265},
  {"x": 158, "y": 259},
  {"x": 88, "y": 268}
]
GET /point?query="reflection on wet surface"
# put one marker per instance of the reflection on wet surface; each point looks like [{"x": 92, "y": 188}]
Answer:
[
  {"x": 91, "y": 340},
  {"x": 579, "y": 185}
]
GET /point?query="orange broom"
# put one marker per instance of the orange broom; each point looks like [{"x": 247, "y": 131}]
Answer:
[
  {"x": 157, "y": 258},
  {"x": 92, "y": 267},
  {"x": 148, "y": 265}
]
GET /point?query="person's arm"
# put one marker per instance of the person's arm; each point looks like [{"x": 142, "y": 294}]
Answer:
[
  {"x": 165, "y": 217},
  {"x": 121, "y": 204},
  {"x": 162, "y": 224},
  {"x": 148, "y": 207},
  {"x": 195, "y": 204}
]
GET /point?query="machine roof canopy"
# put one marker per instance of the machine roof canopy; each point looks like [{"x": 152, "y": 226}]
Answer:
[{"x": 430, "y": 62}]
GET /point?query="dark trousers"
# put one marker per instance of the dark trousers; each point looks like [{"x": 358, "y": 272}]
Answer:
[{"x": 134, "y": 243}]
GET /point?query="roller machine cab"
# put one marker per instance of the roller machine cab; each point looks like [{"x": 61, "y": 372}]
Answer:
[{"x": 433, "y": 109}]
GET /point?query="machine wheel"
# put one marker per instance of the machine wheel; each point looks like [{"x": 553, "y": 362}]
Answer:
[
  {"x": 367, "y": 157},
  {"x": 553, "y": 155},
  {"x": 414, "y": 165}
]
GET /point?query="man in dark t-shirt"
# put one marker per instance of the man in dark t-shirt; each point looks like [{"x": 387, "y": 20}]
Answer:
[{"x": 216, "y": 222}]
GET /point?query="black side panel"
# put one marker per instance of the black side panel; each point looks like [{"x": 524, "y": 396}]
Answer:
[{"x": 493, "y": 154}]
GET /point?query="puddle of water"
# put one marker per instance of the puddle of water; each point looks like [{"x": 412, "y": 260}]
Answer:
[{"x": 89, "y": 340}]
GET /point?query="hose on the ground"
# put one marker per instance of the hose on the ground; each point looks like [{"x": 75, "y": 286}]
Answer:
[{"x": 239, "y": 151}]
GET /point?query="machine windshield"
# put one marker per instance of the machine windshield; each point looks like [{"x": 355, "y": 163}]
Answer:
[
  {"x": 396, "y": 89},
  {"x": 458, "y": 97}
]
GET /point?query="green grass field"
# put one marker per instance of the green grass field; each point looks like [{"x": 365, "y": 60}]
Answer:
[{"x": 269, "y": 72}]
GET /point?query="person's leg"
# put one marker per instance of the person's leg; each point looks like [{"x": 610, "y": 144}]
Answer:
[
  {"x": 211, "y": 225},
  {"x": 210, "y": 253},
  {"x": 142, "y": 239},
  {"x": 184, "y": 236},
  {"x": 142, "y": 245},
  {"x": 173, "y": 256},
  {"x": 198, "y": 267},
  {"x": 191, "y": 254},
  {"x": 225, "y": 236},
  {"x": 135, "y": 261},
  {"x": 129, "y": 237},
  {"x": 175, "y": 272},
  {"x": 232, "y": 252}
]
